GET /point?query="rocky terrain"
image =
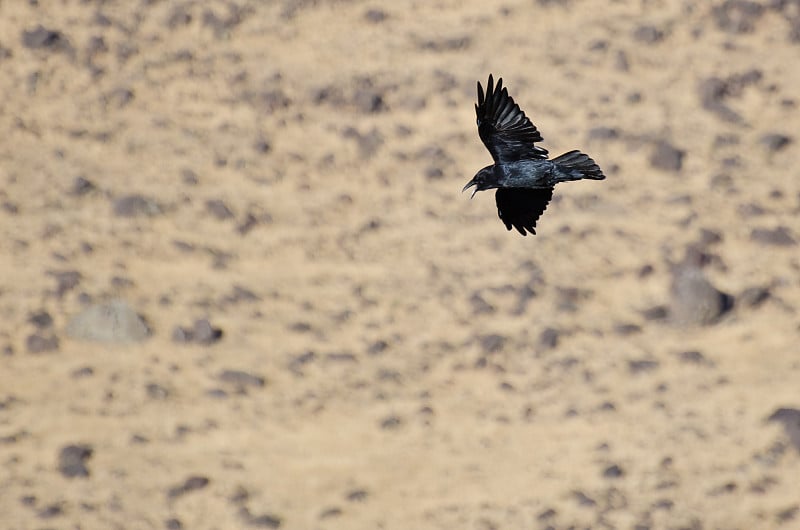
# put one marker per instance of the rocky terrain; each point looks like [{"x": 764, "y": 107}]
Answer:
[{"x": 240, "y": 287}]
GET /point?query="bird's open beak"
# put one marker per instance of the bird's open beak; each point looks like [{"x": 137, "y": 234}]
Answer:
[{"x": 469, "y": 185}]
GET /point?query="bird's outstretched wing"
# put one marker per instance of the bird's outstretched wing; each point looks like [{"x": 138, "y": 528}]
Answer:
[
  {"x": 522, "y": 207},
  {"x": 505, "y": 130}
]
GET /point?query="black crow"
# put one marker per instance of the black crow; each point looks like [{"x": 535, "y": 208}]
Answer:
[{"x": 521, "y": 172}]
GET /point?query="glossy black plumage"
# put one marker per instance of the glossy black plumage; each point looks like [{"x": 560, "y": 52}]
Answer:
[{"x": 522, "y": 174}]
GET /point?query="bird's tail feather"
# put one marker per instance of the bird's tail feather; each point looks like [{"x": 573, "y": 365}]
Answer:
[{"x": 575, "y": 165}]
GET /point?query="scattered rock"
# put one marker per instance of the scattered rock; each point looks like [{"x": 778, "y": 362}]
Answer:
[
  {"x": 603, "y": 133},
  {"x": 569, "y": 298},
  {"x": 357, "y": 496},
  {"x": 492, "y": 343},
  {"x": 775, "y": 141},
  {"x": 391, "y": 422},
  {"x": 638, "y": 366},
  {"x": 737, "y": 16},
  {"x": 41, "y": 38},
  {"x": 114, "y": 322},
  {"x": 648, "y": 34},
  {"x": 658, "y": 312},
  {"x": 375, "y": 15},
  {"x": 694, "y": 300},
  {"x": 173, "y": 524},
  {"x": 41, "y": 319},
  {"x": 753, "y": 296},
  {"x": 548, "y": 339},
  {"x": 779, "y": 236},
  {"x": 627, "y": 328},
  {"x": 241, "y": 379},
  {"x": 790, "y": 419},
  {"x": 135, "y": 206},
  {"x": 613, "y": 471},
  {"x": 65, "y": 281},
  {"x": 193, "y": 483},
  {"x": 202, "y": 332},
  {"x": 218, "y": 209},
  {"x": 81, "y": 186},
  {"x": 267, "y": 520},
  {"x": 479, "y": 305},
  {"x": 41, "y": 342},
  {"x": 667, "y": 157},
  {"x": 714, "y": 91},
  {"x": 368, "y": 142},
  {"x": 446, "y": 44},
  {"x": 377, "y": 347},
  {"x": 694, "y": 357},
  {"x": 72, "y": 460}
]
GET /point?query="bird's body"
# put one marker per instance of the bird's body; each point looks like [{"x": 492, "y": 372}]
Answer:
[{"x": 522, "y": 173}]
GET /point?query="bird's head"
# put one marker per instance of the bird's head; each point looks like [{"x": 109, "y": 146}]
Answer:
[{"x": 483, "y": 180}]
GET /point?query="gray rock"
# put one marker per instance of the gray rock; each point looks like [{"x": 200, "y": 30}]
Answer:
[
  {"x": 72, "y": 460},
  {"x": 778, "y": 236},
  {"x": 694, "y": 300},
  {"x": 113, "y": 321},
  {"x": 135, "y": 206},
  {"x": 667, "y": 157}
]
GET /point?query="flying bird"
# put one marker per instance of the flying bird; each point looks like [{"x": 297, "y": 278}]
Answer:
[{"x": 521, "y": 172}]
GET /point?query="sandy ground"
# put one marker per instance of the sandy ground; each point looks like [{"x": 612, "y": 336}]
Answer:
[{"x": 289, "y": 172}]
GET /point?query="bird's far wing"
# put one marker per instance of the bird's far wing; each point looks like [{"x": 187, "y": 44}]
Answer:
[
  {"x": 507, "y": 133},
  {"x": 522, "y": 207}
]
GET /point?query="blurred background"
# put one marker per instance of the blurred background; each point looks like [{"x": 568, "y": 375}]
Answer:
[{"x": 240, "y": 287}]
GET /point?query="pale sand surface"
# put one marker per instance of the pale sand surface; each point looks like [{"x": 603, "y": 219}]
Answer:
[{"x": 430, "y": 399}]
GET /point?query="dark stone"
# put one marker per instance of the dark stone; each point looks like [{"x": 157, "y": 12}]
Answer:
[
  {"x": 479, "y": 305},
  {"x": 788, "y": 514},
  {"x": 40, "y": 38},
  {"x": 377, "y": 347},
  {"x": 753, "y": 296},
  {"x": 642, "y": 365},
  {"x": 492, "y": 343},
  {"x": 548, "y": 338},
  {"x": 41, "y": 319},
  {"x": 202, "y": 332},
  {"x": 694, "y": 357},
  {"x": 218, "y": 209},
  {"x": 445, "y": 44},
  {"x": 667, "y": 157},
  {"x": 375, "y": 15},
  {"x": 391, "y": 422},
  {"x": 775, "y": 141},
  {"x": 50, "y": 511},
  {"x": 72, "y": 460},
  {"x": 613, "y": 471},
  {"x": 157, "y": 391},
  {"x": 790, "y": 419},
  {"x": 41, "y": 342},
  {"x": 627, "y": 329},
  {"x": 778, "y": 236},
  {"x": 81, "y": 186},
  {"x": 584, "y": 500},
  {"x": 173, "y": 524},
  {"x": 648, "y": 34},
  {"x": 368, "y": 142},
  {"x": 241, "y": 378},
  {"x": 737, "y": 16},
  {"x": 357, "y": 496},
  {"x": 135, "y": 206},
  {"x": 264, "y": 521},
  {"x": 603, "y": 133},
  {"x": 193, "y": 483},
  {"x": 65, "y": 281}
]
